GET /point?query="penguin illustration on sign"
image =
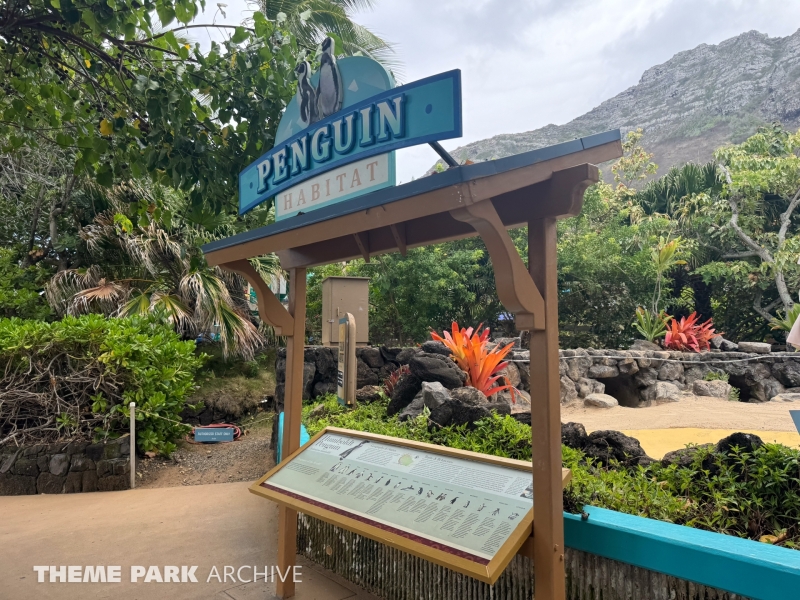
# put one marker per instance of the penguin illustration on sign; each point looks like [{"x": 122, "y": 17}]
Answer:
[
  {"x": 306, "y": 94},
  {"x": 329, "y": 88}
]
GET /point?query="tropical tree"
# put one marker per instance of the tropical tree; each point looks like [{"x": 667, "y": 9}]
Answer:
[
  {"x": 310, "y": 21},
  {"x": 159, "y": 268},
  {"x": 126, "y": 96}
]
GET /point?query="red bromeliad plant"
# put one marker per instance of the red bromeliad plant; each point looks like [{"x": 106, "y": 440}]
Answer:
[
  {"x": 470, "y": 352},
  {"x": 687, "y": 335},
  {"x": 394, "y": 377}
]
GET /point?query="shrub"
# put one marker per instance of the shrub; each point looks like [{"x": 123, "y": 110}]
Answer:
[
  {"x": 74, "y": 379},
  {"x": 754, "y": 494}
]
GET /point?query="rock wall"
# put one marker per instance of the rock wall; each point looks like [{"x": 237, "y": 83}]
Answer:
[
  {"x": 635, "y": 378},
  {"x": 65, "y": 468}
]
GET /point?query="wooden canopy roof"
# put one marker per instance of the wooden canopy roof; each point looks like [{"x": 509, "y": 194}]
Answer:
[{"x": 548, "y": 182}]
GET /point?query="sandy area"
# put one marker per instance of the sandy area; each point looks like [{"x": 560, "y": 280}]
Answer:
[
  {"x": 691, "y": 411},
  {"x": 695, "y": 419}
]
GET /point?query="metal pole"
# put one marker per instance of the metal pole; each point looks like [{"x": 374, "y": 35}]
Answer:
[
  {"x": 449, "y": 160},
  {"x": 132, "y": 406}
]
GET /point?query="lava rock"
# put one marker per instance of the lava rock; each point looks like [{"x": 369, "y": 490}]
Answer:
[
  {"x": 403, "y": 393},
  {"x": 17, "y": 485},
  {"x": 26, "y": 466},
  {"x": 643, "y": 345},
  {"x": 323, "y": 388},
  {"x": 573, "y": 435},
  {"x": 717, "y": 388},
  {"x": 765, "y": 389},
  {"x": 390, "y": 354},
  {"x": 746, "y": 442},
  {"x": 628, "y": 366},
  {"x": 784, "y": 397},
  {"x": 670, "y": 371},
  {"x": 326, "y": 362},
  {"x": 524, "y": 369},
  {"x": 601, "y": 401},
  {"x": 405, "y": 355},
  {"x": 522, "y": 417},
  {"x": 646, "y": 377},
  {"x": 466, "y": 406},
  {"x": 605, "y": 446},
  {"x": 505, "y": 341},
  {"x": 510, "y": 375},
  {"x": 590, "y": 386},
  {"x": 435, "y": 347},
  {"x": 435, "y": 367},
  {"x": 568, "y": 391},
  {"x": 371, "y": 356},
  {"x": 368, "y": 393},
  {"x": 414, "y": 409},
  {"x": 59, "y": 464},
  {"x": 309, "y": 372},
  {"x": 48, "y": 483},
  {"x": 365, "y": 375},
  {"x": 434, "y": 394},
  {"x": 788, "y": 373},
  {"x": 578, "y": 367},
  {"x": 603, "y": 371},
  {"x": 683, "y": 457},
  {"x": 728, "y": 346},
  {"x": 661, "y": 393}
]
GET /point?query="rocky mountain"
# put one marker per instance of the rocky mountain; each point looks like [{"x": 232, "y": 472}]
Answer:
[{"x": 695, "y": 102}]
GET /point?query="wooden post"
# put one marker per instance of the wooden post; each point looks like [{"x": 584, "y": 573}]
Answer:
[
  {"x": 292, "y": 407},
  {"x": 132, "y": 444},
  {"x": 548, "y": 509}
]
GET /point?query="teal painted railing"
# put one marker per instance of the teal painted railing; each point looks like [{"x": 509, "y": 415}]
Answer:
[{"x": 745, "y": 567}]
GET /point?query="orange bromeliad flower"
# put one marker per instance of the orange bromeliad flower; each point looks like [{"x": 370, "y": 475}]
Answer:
[{"x": 469, "y": 350}]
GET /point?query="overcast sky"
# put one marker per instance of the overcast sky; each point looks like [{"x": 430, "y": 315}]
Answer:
[{"x": 527, "y": 63}]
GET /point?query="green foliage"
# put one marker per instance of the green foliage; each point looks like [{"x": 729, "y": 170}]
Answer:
[
  {"x": 81, "y": 373},
  {"x": 21, "y": 289},
  {"x": 650, "y": 325},
  {"x": 126, "y": 96},
  {"x": 716, "y": 376},
  {"x": 742, "y": 494},
  {"x": 784, "y": 322}
]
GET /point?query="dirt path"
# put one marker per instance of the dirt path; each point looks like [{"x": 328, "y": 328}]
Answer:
[{"x": 195, "y": 464}]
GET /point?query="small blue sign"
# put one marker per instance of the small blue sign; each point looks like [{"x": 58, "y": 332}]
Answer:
[
  {"x": 397, "y": 117},
  {"x": 796, "y": 418},
  {"x": 213, "y": 434}
]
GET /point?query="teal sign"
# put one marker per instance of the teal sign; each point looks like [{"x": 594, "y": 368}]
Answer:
[
  {"x": 213, "y": 434},
  {"x": 349, "y": 113}
]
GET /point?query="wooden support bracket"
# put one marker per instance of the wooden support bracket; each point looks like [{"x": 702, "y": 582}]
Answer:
[
  {"x": 399, "y": 235},
  {"x": 362, "y": 241},
  {"x": 270, "y": 308},
  {"x": 515, "y": 288}
]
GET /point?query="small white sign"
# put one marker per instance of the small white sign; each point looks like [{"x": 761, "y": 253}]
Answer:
[{"x": 339, "y": 184}]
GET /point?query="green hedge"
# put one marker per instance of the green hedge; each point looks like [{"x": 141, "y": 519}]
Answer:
[
  {"x": 744, "y": 494},
  {"x": 74, "y": 379}
]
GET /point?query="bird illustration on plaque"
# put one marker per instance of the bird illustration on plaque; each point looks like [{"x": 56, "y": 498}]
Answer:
[{"x": 337, "y": 137}]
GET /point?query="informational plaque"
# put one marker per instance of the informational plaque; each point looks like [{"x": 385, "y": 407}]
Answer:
[{"x": 466, "y": 511}]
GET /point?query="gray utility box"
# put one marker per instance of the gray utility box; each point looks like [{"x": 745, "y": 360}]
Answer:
[{"x": 342, "y": 295}]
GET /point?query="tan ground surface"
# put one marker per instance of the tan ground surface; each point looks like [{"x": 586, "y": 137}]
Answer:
[
  {"x": 695, "y": 419},
  {"x": 203, "y": 525}
]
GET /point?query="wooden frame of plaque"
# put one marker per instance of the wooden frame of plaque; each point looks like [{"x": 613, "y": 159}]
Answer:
[{"x": 483, "y": 565}]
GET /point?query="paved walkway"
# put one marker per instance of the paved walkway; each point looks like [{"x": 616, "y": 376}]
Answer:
[{"x": 206, "y": 525}]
